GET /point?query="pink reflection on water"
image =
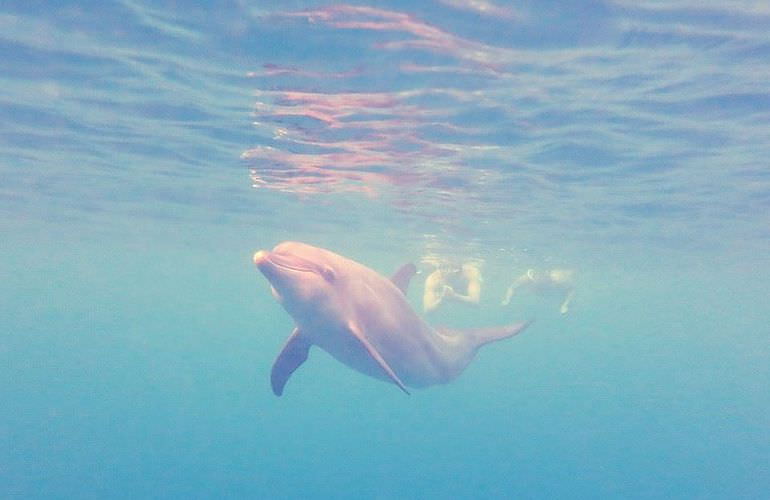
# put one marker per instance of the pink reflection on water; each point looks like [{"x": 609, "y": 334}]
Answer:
[
  {"x": 381, "y": 143},
  {"x": 368, "y": 142},
  {"x": 347, "y": 171},
  {"x": 332, "y": 108},
  {"x": 270, "y": 69},
  {"x": 426, "y": 36}
]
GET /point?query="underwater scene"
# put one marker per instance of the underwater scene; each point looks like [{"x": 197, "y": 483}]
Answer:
[{"x": 385, "y": 249}]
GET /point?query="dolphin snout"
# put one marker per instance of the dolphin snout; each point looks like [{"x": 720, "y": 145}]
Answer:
[{"x": 260, "y": 257}]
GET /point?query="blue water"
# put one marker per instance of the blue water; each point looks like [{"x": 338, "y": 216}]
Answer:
[{"x": 147, "y": 149}]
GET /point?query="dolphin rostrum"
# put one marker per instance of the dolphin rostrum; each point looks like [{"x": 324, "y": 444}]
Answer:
[{"x": 363, "y": 320}]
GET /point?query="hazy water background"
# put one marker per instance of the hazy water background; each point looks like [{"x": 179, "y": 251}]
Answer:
[{"x": 148, "y": 148}]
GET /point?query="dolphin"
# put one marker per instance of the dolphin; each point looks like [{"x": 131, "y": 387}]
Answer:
[{"x": 363, "y": 320}]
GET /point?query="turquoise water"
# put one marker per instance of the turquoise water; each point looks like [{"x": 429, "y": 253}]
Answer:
[{"x": 147, "y": 149}]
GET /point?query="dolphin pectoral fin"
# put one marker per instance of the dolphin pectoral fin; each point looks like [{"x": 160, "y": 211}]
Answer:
[
  {"x": 293, "y": 354},
  {"x": 356, "y": 332},
  {"x": 403, "y": 276}
]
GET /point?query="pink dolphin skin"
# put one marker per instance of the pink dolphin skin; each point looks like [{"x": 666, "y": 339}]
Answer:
[{"x": 363, "y": 320}]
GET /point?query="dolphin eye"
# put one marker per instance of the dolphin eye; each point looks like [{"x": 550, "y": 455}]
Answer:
[{"x": 328, "y": 274}]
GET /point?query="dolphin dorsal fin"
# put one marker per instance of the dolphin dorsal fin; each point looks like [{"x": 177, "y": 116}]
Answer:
[
  {"x": 403, "y": 276},
  {"x": 376, "y": 356},
  {"x": 293, "y": 354}
]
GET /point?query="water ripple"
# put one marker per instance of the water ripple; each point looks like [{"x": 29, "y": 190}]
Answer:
[{"x": 612, "y": 120}]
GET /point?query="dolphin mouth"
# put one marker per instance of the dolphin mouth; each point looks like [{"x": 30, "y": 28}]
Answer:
[{"x": 283, "y": 261}]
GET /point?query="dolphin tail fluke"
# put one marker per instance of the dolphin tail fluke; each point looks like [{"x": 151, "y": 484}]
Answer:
[
  {"x": 481, "y": 336},
  {"x": 293, "y": 354}
]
